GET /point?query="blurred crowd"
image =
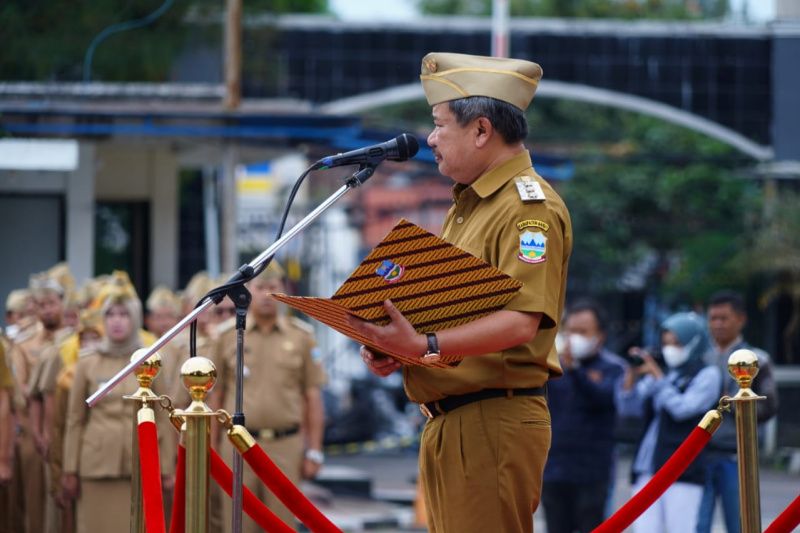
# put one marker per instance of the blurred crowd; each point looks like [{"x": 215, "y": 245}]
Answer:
[
  {"x": 64, "y": 467},
  {"x": 662, "y": 391}
]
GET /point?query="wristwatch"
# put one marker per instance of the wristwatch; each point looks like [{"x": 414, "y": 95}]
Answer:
[
  {"x": 315, "y": 456},
  {"x": 433, "y": 354}
]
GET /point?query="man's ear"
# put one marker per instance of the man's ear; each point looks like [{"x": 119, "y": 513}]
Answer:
[{"x": 484, "y": 131}]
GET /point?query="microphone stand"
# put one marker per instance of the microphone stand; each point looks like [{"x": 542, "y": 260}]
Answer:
[{"x": 241, "y": 299}]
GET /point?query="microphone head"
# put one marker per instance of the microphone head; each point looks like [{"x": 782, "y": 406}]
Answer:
[{"x": 407, "y": 146}]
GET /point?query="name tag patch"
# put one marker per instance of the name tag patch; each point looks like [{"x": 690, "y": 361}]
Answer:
[{"x": 529, "y": 189}]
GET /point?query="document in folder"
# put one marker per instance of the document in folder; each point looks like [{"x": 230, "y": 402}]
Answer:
[{"x": 434, "y": 284}]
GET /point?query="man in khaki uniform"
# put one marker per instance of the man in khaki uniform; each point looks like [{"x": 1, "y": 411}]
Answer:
[
  {"x": 484, "y": 447},
  {"x": 20, "y": 312},
  {"x": 282, "y": 397},
  {"x": 10, "y": 501},
  {"x": 34, "y": 436}
]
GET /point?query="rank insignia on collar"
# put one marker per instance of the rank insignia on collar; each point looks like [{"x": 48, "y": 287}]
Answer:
[
  {"x": 532, "y": 247},
  {"x": 529, "y": 189}
]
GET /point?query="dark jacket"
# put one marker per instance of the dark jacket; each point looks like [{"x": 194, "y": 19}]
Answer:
[{"x": 583, "y": 416}]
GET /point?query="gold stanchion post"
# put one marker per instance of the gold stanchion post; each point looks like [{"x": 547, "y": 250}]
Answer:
[
  {"x": 198, "y": 375},
  {"x": 743, "y": 366},
  {"x": 145, "y": 374}
]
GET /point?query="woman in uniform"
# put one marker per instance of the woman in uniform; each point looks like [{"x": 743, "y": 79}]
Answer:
[{"x": 97, "y": 440}]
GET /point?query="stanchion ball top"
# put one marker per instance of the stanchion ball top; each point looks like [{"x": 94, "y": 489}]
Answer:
[
  {"x": 149, "y": 369},
  {"x": 199, "y": 375},
  {"x": 743, "y": 366}
]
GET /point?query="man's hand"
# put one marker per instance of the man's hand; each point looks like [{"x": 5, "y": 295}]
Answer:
[
  {"x": 6, "y": 470},
  {"x": 398, "y": 336},
  {"x": 41, "y": 442},
  {"x": 71, "y": 486},
  {"x": 380, "y": 366},
  {"x": 310, "y": 468}
]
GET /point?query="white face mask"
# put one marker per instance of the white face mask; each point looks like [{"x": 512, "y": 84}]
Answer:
[
  {"x": 581, "y": 346},
  {"x": 674, "y": 356}
]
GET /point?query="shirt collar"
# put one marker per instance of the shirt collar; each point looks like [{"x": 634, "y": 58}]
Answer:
[
  {"x": 279, "y": 325},
  {"x": 730, "y": 348},
  {"x": 492, "y": 180}
]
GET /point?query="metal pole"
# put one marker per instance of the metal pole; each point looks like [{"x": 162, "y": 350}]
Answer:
[
  {"x": 145, "y": 374},
  {"x": 198, "y": 375},
  {"x": 233, "y": 54},
  {"x": 743, "y": 366},
  {"x": 500, "y": 28},
  {"x": 352, "y": 183}
]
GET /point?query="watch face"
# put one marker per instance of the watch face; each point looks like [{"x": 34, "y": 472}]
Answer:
[{"x": 430, "y": 358}]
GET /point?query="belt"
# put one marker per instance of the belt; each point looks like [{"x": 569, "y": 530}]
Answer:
[
  {"x": 273, "y": 434},
  {"x": 445, "y": 405}
]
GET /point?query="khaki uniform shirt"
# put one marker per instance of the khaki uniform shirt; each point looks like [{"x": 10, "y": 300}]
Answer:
[
  {"x": 32, "y": 357},
  {"x": 6, "y": 377},
  {"x": 278, "y": 369},
  {"x": 97, "y": 441},
  {"x": 530, "y": 241}
]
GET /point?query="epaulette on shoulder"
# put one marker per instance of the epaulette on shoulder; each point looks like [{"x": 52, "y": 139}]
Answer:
[{"x": 301, "y": 324}]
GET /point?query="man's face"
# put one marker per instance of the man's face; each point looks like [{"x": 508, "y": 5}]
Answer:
[
  {"x": 264, "y": 305},
  {"x": 224, "y": 310},
  {"x": 583, "y": 323},
  {"x": 453, "y": 146},
  {"x": 50, "y": 310},
  {"x": 160, "y": 320},
  {"x": 724, "y": 323}
]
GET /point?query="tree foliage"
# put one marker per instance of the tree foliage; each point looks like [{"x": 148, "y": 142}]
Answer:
[
  {"x": 651, "y": 203},
  {"x": 621, "y": 9},
  {"x": 47, "y": 40}
]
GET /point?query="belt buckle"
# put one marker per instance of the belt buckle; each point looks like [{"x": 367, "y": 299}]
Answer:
[
  {"x": 425, "y": 411},
  {"x": 268, "y": 434}
]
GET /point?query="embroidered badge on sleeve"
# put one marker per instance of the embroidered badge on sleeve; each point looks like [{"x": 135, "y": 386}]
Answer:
[{"x": 532, "y": 247}]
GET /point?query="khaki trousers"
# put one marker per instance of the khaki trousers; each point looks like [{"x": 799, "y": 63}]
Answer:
[
  {"x": 481, "y": 465},
  {"x": 287, "y": 453},
  {"x": 33, "y": 487},
  {"x": 104, "y": 505}
]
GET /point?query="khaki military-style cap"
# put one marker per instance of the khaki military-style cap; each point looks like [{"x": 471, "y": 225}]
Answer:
[
  {"x": 447, "y": 76},
  {"x": 17, "y": 300},
  {"x": 161, "y": 298},
  {"x": 273, "y": 271}
]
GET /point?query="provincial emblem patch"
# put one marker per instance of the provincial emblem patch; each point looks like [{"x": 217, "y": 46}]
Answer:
[
  {"x": 390, "y": 271},
  {"x": 532, "y": 247}
]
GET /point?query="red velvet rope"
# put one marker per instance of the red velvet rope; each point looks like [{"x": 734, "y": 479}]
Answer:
[
  {"x": 151, "y": 478},
  {"x": 254, "y": 507},
  {"x": 661, "y": 481},
  {"x": 178, "y": 522},
  {"x": 787, "y": 520},
  {"x": 286, "y": 492}
]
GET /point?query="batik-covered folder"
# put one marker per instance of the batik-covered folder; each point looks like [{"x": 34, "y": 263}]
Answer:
[{"x": 434, "y": 284}]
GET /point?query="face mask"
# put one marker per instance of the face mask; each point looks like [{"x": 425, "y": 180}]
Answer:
[
  {"x": 674, "y": 356},
  {"x": 580, "y": 346}
]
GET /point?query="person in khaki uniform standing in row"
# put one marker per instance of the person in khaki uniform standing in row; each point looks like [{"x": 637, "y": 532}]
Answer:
[
  {"x": 10, "y": 504},
  {"x": 282, "y": 397},
  {"x": 97, "y": 441},
  {"x": 34, "y": 437},
  {"x": 484, "y": 447}
]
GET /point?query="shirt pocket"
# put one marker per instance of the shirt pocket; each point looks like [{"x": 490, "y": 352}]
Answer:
[{"x": 473, "y": 247}]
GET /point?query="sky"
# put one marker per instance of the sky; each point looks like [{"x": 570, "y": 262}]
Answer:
[{"x": 759, "y": 10}]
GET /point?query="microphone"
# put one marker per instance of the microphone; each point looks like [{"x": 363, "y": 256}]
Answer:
[{"x": 402, "y": 147}]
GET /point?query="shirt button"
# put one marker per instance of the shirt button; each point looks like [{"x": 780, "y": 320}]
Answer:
[{"x": 459, "y": 220}]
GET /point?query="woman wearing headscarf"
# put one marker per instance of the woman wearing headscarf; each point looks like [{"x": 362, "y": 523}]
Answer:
[
  {"x": 97, "y": 441},
  {"x": 672, "y": 401}
]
